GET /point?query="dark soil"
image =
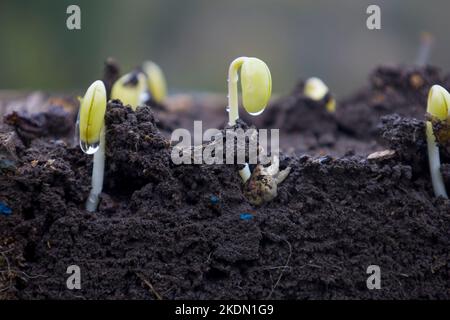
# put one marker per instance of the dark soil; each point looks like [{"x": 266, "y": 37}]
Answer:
[
  {"x": 187, "y": 231},
  {"x": 391, "y": 90}
]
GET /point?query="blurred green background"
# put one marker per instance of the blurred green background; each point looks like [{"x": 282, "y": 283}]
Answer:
[{"x": 195, "y": 40}]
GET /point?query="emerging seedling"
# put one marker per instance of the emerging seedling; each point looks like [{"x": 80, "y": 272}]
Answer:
[
  {"x": 256, "y": 87},
  {"x": 92, "y": 137},
  {"x": 131, "y": 89},
  {"x": 317, "y": 90},
  {"x": 439, "y": 110},
  {"x": 156, "y": 81}
]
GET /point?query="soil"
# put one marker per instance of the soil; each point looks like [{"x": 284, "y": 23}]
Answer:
[
  {"x": 391, "y": 90},
  {"x": 166, "y": 231}
]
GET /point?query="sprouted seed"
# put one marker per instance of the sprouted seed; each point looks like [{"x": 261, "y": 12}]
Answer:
[
  {"x": 438, "y": 110},
  {"x": 317, "y": 90},
  {"x": 131, "y": 89},
  {"x": 92, "y": 137},
  {"x": 156, "y": 81},
  {"x": 256, "y": 87}
]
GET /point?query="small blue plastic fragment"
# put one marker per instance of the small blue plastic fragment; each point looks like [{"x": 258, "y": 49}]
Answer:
[
  {"x": 214, "y": 200},
  {"x": 5, "y": 210},
  {"x": 246, "y": 216}
]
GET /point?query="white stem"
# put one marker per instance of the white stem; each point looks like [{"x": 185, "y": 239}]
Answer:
[
  {"x": 426, "y": 44},
  {"x": 98, "y": 172},
  {"x": 435, "y": 163},
  {"x": 233, "y": 104},
  {"x": 233, "y": 98},
  {"x": 245, "y": 173}
]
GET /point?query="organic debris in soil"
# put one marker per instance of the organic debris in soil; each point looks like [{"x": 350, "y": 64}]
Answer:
[{"x": 55, "y": 119}]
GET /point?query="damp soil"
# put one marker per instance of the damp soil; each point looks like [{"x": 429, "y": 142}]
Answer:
[{"x": 166, "y": 231}]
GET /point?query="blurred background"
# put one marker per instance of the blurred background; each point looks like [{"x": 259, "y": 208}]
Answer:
[{"x": 195, "y": 40}]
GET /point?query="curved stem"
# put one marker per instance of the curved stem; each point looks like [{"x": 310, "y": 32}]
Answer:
[
  {"x": 233, "y": 104},
  {"x": 98, "y": 172},
  {"x": 435, "y": 163},
  {"x": 233, "y": 98}
]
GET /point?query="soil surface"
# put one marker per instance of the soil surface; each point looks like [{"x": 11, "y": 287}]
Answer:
[{"x": 166, "y": 231}]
